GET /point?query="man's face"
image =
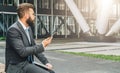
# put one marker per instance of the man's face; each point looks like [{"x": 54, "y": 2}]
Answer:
[{"x": 31, "y": 17}]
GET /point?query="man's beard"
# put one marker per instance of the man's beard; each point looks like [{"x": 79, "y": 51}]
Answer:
[{"x": 30, "y": 22}]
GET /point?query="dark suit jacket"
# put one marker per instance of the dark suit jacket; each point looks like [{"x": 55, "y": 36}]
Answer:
[{"x": 18, "y": 47}]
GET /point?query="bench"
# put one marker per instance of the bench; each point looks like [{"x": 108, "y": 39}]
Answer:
[{"x": 2, "y": 68}]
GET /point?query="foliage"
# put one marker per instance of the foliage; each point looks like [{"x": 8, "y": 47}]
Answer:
[{"x": 101, "y": 56}]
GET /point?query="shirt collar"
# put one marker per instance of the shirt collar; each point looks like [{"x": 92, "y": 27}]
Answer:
[{"x": 24, "y": 27}]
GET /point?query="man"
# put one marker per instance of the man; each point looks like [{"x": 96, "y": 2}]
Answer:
[{"x": 21, "y": 47}]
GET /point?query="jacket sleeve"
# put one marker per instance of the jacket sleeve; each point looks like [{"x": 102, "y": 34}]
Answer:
[
  {"x": 14, "y": 38},
  {"x": 42, "y": 58}
]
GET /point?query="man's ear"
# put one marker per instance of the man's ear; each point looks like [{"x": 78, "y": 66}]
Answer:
[{"x": 26, "y": 15}]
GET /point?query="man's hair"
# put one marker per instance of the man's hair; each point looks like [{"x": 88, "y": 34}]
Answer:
[{"x": 22, "y": 8}]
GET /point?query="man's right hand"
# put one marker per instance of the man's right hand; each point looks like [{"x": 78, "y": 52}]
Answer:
[{"x": 47, "y": 41}]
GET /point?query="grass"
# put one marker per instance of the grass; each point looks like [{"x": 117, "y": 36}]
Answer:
[
  {"x": 106, "y": 57},
  {"x": 2, "y": 38}
]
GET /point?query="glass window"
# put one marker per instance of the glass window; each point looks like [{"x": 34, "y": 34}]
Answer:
[
  {"x": 15, "y": 3},
  {"x": 45, "y": 4},
  {"x": 59, "y": 4},
  {"x": 39, "y": 3},
  {"x": 26, "y": 1},
  {"x": 55, "y": 2},
  {"x": 5, "y": 21},
  {"x": 8, "y": 2},
  {"x": 23, "y": 1},
  {"x": 70, "y": 25},
  {"x": 43, "y": 25},
  {"x": 1, "y": 2}
]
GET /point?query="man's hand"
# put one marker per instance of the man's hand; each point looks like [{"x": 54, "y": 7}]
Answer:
[
  {"x": 49, "y": 66},
  {"x": 47, "y": 41}
]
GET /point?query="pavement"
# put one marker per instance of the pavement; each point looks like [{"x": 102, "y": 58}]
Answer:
[
  {"x": 73, "y": 45},
  {"x": 76, "y": 45},
  {"x": 69, "y": 63}
]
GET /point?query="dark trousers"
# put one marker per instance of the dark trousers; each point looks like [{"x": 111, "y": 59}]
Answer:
[{"x": 31, "y": 68}]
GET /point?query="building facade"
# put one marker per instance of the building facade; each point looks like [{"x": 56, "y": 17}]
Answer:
[{"x": 55, "y": 15}]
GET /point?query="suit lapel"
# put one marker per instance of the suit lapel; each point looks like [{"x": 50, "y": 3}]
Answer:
[{"x": 21, "y": 28}]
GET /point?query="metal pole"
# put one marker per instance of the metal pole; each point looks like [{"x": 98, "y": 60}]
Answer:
[
  {"x": 66, "y": 20},
  {"x": 3, "y": 24},
  {"x": 78, "y": 15},
  {"x": 18, "y": 2},
  {"x": 51, "y": 26},
  {"x": 103, "y": 16},
  {"x": 18, "y": 5},
  {"x": 35, "y": 3}
]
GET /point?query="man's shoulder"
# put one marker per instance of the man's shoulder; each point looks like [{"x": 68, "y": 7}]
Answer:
[
  {"x": 13, "y": 30},
  {"x": 14, "y": 25}
]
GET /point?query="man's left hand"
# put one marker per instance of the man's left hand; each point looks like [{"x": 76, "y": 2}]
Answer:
[{"x": 49, "y": 66}]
